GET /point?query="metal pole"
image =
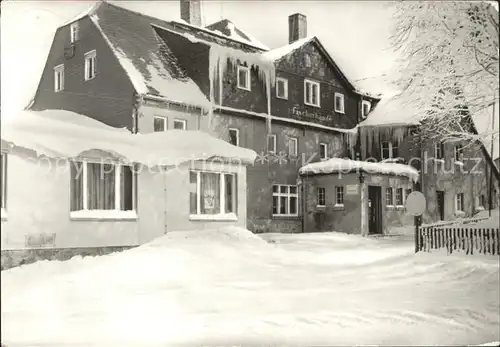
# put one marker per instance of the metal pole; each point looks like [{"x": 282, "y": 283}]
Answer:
[
  {"x": 417, "y": 238},
  {"x": 490, "y": 200}
]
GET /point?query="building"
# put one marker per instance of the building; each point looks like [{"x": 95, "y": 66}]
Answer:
[
  {"x": 72, "y": 185},
  {"x": 292, "y": 105},
  {"x": 454, "y": 175}
]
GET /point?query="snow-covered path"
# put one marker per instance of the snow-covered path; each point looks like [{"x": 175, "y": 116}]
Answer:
[{"x": 229, "y": 287}]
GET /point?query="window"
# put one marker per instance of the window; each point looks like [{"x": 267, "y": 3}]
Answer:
[
  {"x": 459, "y": 202},
  {"x": 3, "y": 181},
  {"x": 74, "y": 31},
  {"x": 459, "y": 153},
  {"x": 323, "y": 151},
  {"x": 102, "y": 187},
  {"x": 365, "y": 108},
  {"x": 482, "y": 201},
  {"x": 234, "y": 136},
  {"x": 321, "y": 197},
  {"x": 311, "y": 93},
  {"x": 180, "y": 124},
  {"x": 339, "y": 102},
  {"x": 59, "y": 78},
  {"x": 271, "y": 143},
  {"x": 292, "y": 146},
  {"x": 389, "y": 197},
  {"x": 214, "y": 193},
  {"x": 307, "y": 60},
  {"x": 439, "y": 150},
  {"x": 399, "y": 196},
  {"x": 285, "y": 200},
  {"x": 282, "y": 88},
  {"x": 339, "y": 196},
  {"x": 389, "y": 150},
  {"x": 90, "y": 59},
  {"x": 160, "y": 123},
  {"x": 243, "y": 77}
]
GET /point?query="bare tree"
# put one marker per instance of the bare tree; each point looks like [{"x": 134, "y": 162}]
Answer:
[{"x": 449, "y": 64}]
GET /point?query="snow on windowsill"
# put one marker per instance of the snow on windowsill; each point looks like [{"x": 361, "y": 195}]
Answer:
[
  {"x": 338, "y": 207},
  {"x": 286, "y": 216},
  {"x": 3, "y": 214},
  {"x": 103, "y": 215},
  {"x": 479, "y": 208},
  {"x": 460, "y": 213},
  {"x": 230, "y": 217}
]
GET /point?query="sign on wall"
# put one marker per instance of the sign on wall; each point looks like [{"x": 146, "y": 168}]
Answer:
[{"x": 351, "y": 189}]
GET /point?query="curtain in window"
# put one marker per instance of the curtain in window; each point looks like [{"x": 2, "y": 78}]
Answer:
[
  {"x": 210, "y": 193},
  {"x": 126, "y": 189},
  {"x": 76, "y": 192},
  {"x": 101, "y": 186}
]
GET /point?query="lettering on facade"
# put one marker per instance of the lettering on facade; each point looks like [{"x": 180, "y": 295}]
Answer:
[
  {"x": 302, "y": 114},
  {"x": 351, "y": 189},
  {"x": 40, "y": 240}
]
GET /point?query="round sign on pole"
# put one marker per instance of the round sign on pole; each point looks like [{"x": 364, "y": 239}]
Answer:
[{"x": 415, "y": 204}]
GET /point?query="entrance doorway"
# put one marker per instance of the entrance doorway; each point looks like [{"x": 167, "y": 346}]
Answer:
[
  {"x": 440, "y": 203},
  {"x": 374, "y": 210}
]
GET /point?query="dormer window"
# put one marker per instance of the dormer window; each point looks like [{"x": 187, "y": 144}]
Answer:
[
  {"x": 281, "y": 88},
  {"x": 339, "y": 103},
  {"x": 74, "y": 32},
  {"x": 311, "y": 93},
  {"x": 307, "y": 60},
  {"x": 244, "y": 77},
  {"x": 365, "y": 108}
]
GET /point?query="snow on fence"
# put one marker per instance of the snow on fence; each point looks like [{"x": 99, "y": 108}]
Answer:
[{"x": 467, "y": 239}]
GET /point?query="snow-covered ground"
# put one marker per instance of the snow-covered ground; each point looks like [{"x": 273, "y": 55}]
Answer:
[{"x": 230, "y": 287}]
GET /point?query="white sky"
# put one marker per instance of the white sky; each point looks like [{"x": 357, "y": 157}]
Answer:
[{"x": 354, "y": 32}]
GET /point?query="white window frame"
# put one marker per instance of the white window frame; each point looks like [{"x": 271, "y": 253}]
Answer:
[
  {"x": 438, "y": 147},
  {"x": 237, "y": 131},
  {"x": 367, "y": 103},
  {"x": 459, "y": 197},
  {"x": 308, "y": 84},
  {"x": 74, "y": 31},
  {"x": 458, "y": 152},
  {"x": 391, "y": 152},
  {"x": 396, "y": 197},
  {"x": 285, "y": 88},
  {"x": 222, "y": 201},
  {"x": 116, "y": 213},
  {"x": 342, "y": 108},
  {"x": 387, "y": 190},
  {"x": 165, "y": 122},
  {"x": 184, "y": 124},
  {"x": 322, "y": 144},
  {"x": 293, "y": 144},
  {"x": 273, "y": 136},
  {"x": 3, "y": 202},
  {"x": 288, "y": 195},
  {"x": 339, "y": 192},
  {"x": 321, "y": 196},
  {"x": 247, "y": 74},
  {"x": 59, "y": 83},
  {"x": 90, "y": 56}
]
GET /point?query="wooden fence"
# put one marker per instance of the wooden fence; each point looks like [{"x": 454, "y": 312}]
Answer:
[{"x": 468, "y": 239}]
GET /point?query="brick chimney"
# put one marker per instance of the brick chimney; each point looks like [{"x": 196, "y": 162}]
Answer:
[
  {"x": 191, "y": 11},
  {"x": 297, "y": 27}
]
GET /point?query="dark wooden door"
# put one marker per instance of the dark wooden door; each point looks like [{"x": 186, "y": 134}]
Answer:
[
  {"x": 374, "y": 210},
  {"x": 440, "y": 203}
]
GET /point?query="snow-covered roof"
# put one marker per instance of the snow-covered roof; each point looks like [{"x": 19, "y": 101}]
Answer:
[
  {"x": 392, "y": 111},
  {"x": 227, "y": 28},
  {"x": 335, "y": 165},
  {"x": 281, "y": 52},
  {"x": 65, "y": 134},
  {"x": 146, "y": 59}
]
